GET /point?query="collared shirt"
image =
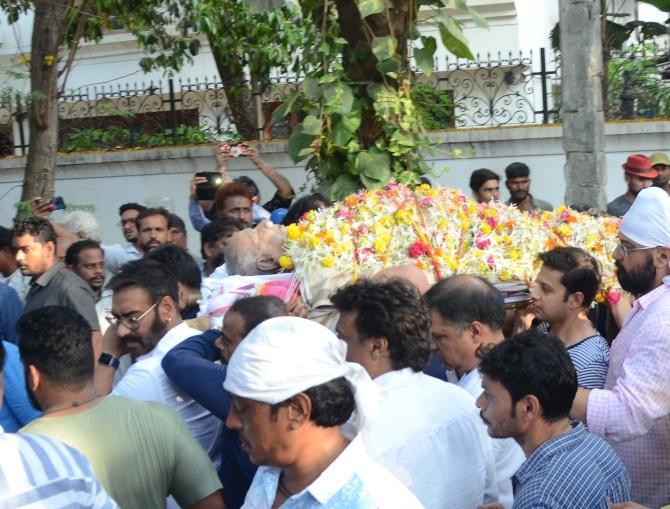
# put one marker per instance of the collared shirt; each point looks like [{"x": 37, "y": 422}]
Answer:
[
  {"x": 573, "y": 470},
  {"x": 59, "y": 286},
  {"x": 145, "y": 380},
  {"x": 352, "y": 481},
  {"x": 429, "y": 435},
  {"x": 37, "y": 471},
  {"x": 116, "y": 255},
  {"x": 632, "y": 412},
  {"x": 535, "y": 204},
  {"x": 19, "y": 282},
  {"x": 507, "y": 454}
]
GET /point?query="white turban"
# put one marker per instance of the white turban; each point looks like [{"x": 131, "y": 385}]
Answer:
[
  {"x": 647, "y": 222},
  {"x": 284, "y": 356}
]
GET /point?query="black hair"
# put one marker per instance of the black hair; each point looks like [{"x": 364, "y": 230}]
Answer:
[
  {"x": 479, "y": 177},
  {"x": 517, "y": 170},
  {"x": 57, "y": 341},
  {"x": 158, "y": 211},
  {"x": 581, "y": 272},
  {"x": 332, "y": 403},
  {"x": 257, "y": 309},
  {"x": 6, "y": 239},
  {"x": 249, "y": 182},
  {"x": 72, "y": 253},
  {"x": 465, "y": 299},
  {"x": 176, "y": 259},
  {"x": 534, "y": 363},
  {"x": 149, "y": 275},
  {"x": 393, "y": 310},
  {"x": 303, "y": 205},
  {"x": 218, "y": 228},
  {"x": 37, "y": 227},
  {"x": 175, "y": 221},
  {"x": 131, "y": 206}
]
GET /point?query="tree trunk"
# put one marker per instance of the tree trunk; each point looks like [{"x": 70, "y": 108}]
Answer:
[
  {"x": 47, "y": 38},
  {"x": 604, "y": 37},
  {"x": 583, "y": 119},
  {"x": 239, "y": 95}
]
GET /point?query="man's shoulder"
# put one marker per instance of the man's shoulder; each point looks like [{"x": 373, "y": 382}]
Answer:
[
  {"x": 542, "y": 205},
  {"x": 618, "y": 206}
]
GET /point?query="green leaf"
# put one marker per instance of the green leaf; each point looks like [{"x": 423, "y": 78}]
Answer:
[
  {"x": 375, "y": 168},
  {"x": 297, "y": 142},
  {"x": 283, "y": 110},
  {"x": 311, "y": 125},
  {"x": 424, "y": 56},
  {"x": 339, "y": 97},
  {"x": 453, "y": 38},
  {"x": 343, "y": 186},
  {"x": 384, "y": 47},
  {"x": 368, "y": 7},
  {"x": 477, "y": 18},
  {"x": 344, "y": 127},
  {"x": 390, "y": 66}
]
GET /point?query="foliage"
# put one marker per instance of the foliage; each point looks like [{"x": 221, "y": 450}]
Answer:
[
  {"x": 362, "y": 127},
  {"x": 435, "y": 106},
  {"x": 115, "y": 136}
]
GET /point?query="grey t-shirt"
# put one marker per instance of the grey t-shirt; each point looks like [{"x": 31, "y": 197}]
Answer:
[
  {"x": 535, "y": 204},
  {"x": 59, "y": 286},
  {"x": 619, "y": 206}
]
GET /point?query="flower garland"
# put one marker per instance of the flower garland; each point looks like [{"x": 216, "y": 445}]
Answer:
[{"x": 442, "y": 232}]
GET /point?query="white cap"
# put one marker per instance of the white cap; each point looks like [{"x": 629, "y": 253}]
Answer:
[{"x": 647, "y": 222}]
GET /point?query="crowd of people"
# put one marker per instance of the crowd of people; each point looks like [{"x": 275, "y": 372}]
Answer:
[{"x": 118, "y": 391}]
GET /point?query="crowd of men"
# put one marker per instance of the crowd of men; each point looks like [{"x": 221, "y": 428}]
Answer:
[{"x": 116, "y": 393}]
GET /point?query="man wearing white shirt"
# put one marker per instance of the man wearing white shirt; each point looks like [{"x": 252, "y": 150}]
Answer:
[
  {"x": 428, "y": 433},
  {"x": 118, "y": 254},
  {"x": 145, "y": 322},
  {"x": 467, "y": 317}
]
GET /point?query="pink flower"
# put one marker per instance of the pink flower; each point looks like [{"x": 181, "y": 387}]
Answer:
[
  {"x": 366, "y": 252},
  {"x": 343, "y": 214},
  {"x": 492, "y": 222},
  {"x": 613, "y": 297},
  {"x": 482, "y": 242},
  {"x": 363, "y": 230},
  {"x": 491, "y": 262},
  {"x": 417, "y": 249},
  {"x": 426, "y": 202}
]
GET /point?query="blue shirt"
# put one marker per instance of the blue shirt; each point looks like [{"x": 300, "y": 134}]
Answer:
[
  {"x": 574, "y": 470},
  {"x": 191, "y": 367},
  {"x": 10, "y": 312},
  {"x": 17, "y": 410}
]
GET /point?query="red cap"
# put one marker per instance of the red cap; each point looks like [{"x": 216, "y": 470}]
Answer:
[{"x": 639, "y": 165}]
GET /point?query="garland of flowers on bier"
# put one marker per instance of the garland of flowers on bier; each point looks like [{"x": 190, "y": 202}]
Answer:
[{"x": 441, "y": 231}]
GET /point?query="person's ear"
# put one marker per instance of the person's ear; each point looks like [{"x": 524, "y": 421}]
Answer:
[
  {"x": 661, "y": 258},
  {"x": 529, "y": 408},
  {"x": 298, "y": 410},
  {"x": 575, "y": 300},
  {"x": 50, "y": 248},
  {"x": 378, "y": 347},
  {"x": 267, "y": 264},
  {"x": 34, "y": 378},
  {"x": 476, "y": 330}
]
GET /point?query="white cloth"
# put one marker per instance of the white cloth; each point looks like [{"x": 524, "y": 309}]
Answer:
[
  {"x": 19, "y": 282},
  {"x": 259, "y": 213},
  {"x": 145, "y": 380},
  {"x": 284, "y": 356},
  {"x": 430, "y": 436},
  {"x": 117, "y": 255},
  {"x": 647, "y": 222},
  {"x": 507, "y": 454},
  {"x": 102, "y": 307},
  {"x": 352, "y": 481}
]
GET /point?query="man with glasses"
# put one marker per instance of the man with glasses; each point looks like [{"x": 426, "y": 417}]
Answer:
[
  {"x": 145, "y": 322},
  {"x": 117, "y": 254},
  {"x": 632, "y": 411}
]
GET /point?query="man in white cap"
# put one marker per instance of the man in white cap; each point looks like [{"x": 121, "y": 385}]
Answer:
[
  {"x": 661, "y": 163},
  {"x": 291, "y": 391},
  {"x": 632, "y": 411}
]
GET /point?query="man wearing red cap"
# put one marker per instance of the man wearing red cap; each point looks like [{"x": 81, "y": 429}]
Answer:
[{"x": 638, "y": 174}]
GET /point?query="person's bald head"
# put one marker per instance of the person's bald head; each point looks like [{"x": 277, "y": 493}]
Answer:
[{"x": 410, "y": 273}]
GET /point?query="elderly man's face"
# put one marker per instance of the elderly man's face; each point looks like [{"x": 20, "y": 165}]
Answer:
[{"x": 266, "y": 240}]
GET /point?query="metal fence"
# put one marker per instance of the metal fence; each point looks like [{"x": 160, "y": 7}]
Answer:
[{"x": 492, "y": 90}]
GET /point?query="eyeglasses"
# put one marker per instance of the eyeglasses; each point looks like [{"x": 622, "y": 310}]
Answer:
[
  {"x": 624, "y": 251},
  {"x": 124, "y": 222},
  {"x": 130, "y": 322}
]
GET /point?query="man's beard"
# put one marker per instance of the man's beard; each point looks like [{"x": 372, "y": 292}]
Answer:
[
  {"x": 639, "y": 280},
  {"x": 148, "y": 342}
]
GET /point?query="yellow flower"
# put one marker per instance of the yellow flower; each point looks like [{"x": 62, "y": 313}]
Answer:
[
  {"x": 505, "y": 275},
  {"x": 314, "y": 241},
  {"x": 48, "y": 60},
  {"x": 328, "y": 261},
  {"x": 381, "y": 245},
  {"x": 486, "y": 228},
  {"x": 402, "y": 216},
  {"x": 286, "y": 262},
  {"x": 514, "y": 253},
  {"x": 565, "y": 230},
  {"x": 25, "y": 58},
  {"x": 293, "y": 232}
]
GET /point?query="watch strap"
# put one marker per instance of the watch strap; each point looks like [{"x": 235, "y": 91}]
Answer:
[{"x": 109, "y": 360}]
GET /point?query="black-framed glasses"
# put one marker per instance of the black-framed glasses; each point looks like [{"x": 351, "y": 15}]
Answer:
[
  {"x": 624, "y": 251},
  {"x": 129, "y": 322}
]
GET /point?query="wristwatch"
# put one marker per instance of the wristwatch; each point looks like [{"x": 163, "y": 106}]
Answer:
[{"x": 109, "y": 360}]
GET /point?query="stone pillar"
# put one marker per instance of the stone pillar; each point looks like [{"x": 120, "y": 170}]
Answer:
[{"x": 581, "y": 93}]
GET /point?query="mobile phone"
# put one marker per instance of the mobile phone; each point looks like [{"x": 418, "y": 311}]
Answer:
[
  {"x": 57, "y": 203},
  {"x": 234, "y": 149},
  {"x": 207, "y": 190}
]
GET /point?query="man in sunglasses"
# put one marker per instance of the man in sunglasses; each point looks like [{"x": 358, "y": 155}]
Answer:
[
  {"x": 145, "y": 322},
  {"x": 632, "y": 411}
]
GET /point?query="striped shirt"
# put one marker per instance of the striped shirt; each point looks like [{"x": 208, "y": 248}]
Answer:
[
  {"x": 591, "y": 357},
  {"x": 572, "y": 471},
  {"x": 37, "y": 472}
]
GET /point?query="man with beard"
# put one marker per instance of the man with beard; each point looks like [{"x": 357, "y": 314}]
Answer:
[
  {"x": 638, "y": 174},
  {"x": 153, "y": 229},
  {"x": 141, "y": 452},
  {"x": 661, "y": 163},
  {"x": 117, "y": 254},
  {"x": 632, "y": 412},
  {"x": 192, "y": 367},
  {"x": 518, "y": 185},
  {"x": 529, "y": 383},
  {"x": 146, "y": 323},
  {"x": 86, "y": 259}
]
